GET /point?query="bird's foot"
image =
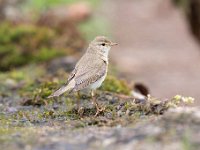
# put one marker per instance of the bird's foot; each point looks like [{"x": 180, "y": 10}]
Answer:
[
  {"x": 80, "y": 111},
  {"x": 99, "y": 110}
]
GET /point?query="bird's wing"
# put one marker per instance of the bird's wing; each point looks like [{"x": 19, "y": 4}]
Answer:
[
  {"x": 71, "y": 75},
  {"x": 90, "y": 75},
  {"x": 77, "y": 67},
  {"x": 74, "y": 72}
]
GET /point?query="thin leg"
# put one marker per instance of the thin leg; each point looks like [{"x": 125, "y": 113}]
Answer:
[
  {"x": 96, "y": 104},
  {"x": 80, "y": 109},
  {"x": 78, "y": 100}
]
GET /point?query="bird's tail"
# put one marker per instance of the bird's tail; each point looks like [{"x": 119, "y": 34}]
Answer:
[{"x": 62, "y": 90}]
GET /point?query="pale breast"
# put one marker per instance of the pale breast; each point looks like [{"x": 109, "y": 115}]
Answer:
[{"x": 98, "y": 83}]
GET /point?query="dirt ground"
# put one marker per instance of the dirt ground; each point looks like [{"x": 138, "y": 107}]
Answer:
[{"x": 155, "y": 46}]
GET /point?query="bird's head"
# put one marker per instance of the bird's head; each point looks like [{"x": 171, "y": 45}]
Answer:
[{"x": 102, "y": 44}]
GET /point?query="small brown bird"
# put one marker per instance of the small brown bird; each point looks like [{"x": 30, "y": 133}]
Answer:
[{"x": 90, "y": 71}]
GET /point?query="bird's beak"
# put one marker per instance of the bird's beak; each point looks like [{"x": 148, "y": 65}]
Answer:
[{"x": 113, "y": 44}]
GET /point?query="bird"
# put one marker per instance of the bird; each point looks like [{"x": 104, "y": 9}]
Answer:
[{"x": 90, "y": 71}]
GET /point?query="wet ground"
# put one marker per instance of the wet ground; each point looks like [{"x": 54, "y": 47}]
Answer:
[{"x": 155, "y": 46}]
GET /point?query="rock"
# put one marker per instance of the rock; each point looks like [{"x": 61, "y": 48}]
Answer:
[
  {"x": 66, "y": 14},
  {"x": 79, "y": 11},
  {"x": 166, "y": 132},
  {"x": 11, "y": 109},
  {"x": 10, "y": 83},
  {"x": 65, "y": 63},
  {"x": 192, "y": 11},
  {"x": 9, "y": 10},
  {"x": 141, "y": 88}
]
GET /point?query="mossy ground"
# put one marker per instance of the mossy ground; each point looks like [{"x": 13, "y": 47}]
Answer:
[{"x": 26, "y": 113}]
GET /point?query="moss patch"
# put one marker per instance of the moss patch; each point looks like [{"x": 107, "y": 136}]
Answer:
[
  {"x": 112, "y": 84},
  {"x": 25, "y": 43}
]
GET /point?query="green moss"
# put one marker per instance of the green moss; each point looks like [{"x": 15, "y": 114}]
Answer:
[
  {"x": 36, "y": 94},
  {"x": 45, "y": 89},
  {"x": 22, "y": 44},
  {"x": 112, "y": 84}
]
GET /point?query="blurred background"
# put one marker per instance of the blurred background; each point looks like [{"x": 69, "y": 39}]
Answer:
[{"x": 158, "y": 40}]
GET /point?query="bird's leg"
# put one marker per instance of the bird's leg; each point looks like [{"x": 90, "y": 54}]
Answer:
[
  {"x": 96, "y": 104},
  {"x": 78, "y": 100},
  {"x": 80, "y": 109}
]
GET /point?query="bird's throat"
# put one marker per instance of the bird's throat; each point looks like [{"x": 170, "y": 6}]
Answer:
[{"x": 104, "y": 55}]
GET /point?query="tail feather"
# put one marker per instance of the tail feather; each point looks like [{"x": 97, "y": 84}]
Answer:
[
  {"x": 59, "y": 92},
  {"x": 62, "y": 90}
]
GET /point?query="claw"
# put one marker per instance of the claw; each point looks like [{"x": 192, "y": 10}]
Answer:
[
  {"x": 96, "y": 105},
  {"x": 80, "y": 111},
  {"x": 99, "y": 110}
]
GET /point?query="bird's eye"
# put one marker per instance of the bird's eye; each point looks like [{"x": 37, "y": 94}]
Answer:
[{"x": 103, "y": 44}]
